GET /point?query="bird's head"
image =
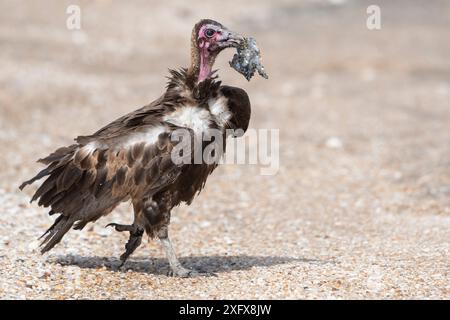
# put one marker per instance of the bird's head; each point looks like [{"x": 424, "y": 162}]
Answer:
[{"x": 209, "y": 38}]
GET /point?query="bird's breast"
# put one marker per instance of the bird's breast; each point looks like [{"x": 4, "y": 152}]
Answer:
[
  {"x": 193, "y": 117},
  {"x": 219, "y": 110},
  {"x": 200, "y": 119}
]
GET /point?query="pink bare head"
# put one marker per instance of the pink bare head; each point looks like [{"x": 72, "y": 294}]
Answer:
[{"x": 209, "y": 38}]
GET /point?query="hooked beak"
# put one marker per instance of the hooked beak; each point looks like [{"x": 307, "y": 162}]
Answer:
[{"x": 228, "y": 39}]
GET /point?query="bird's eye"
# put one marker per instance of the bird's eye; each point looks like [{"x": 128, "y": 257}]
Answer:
[{"x": 209, "y": 33}]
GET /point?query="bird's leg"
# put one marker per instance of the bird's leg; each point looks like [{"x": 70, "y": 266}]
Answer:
[
  {"x": 176, "y": 268},
  {"x": 134, "y": 241},
  {"x": 157, "y": 213}
]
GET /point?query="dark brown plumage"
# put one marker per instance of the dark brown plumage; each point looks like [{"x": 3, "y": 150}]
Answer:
[{"x": 130, "y": 158}]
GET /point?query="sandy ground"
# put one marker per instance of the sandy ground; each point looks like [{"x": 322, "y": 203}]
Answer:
[{"x": 360, "y": 207}]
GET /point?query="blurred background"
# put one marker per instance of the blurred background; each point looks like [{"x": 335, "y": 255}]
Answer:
[{"x": 360, "y": 207}]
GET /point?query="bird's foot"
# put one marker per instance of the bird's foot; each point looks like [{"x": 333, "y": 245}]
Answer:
[
  {"x": 122, "y": 227},
  {"x": 133, "y": 242},
  {"x": 188, "y": 273}
]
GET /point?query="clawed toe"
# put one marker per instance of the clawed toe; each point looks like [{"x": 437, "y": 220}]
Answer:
[
  {"x": 188, "y": 273},
  {"x": 208, "y": 274},
  {"x": 182, "y": 273},
  {"x": 121, "y": 227}
]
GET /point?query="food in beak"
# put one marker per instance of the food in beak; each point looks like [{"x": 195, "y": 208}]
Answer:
[{"x": 248, "y": 59}]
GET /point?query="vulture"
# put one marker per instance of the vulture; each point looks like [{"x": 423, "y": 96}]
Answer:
[{"x": 131, "y": 159}]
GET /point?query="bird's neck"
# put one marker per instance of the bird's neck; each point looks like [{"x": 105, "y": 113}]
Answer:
[
  {"x": 205, "y": 66},
  {"x": 202, "y": 62}
]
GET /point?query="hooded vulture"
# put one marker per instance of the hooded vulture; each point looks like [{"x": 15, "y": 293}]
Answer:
[{"x": 131, "y": 159}]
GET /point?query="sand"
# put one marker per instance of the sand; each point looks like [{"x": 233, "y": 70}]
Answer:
[{"x": 360, "y": 206}]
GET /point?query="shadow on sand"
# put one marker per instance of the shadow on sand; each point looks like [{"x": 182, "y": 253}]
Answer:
[{"x": 210, "y": 264}]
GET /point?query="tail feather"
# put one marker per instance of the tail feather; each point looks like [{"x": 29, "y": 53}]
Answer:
[
  {"x": 46, "y": 186},
  {"x": 54, "y": 161},
  {"x": 79, "y": 194},
  {"x": 41, "y": 174},
  {"x": 58, "y": 154},
  {"x": 56, "y": 232},
  {"x": 57, "y": 220},
  {"x": 57, "y": 171}
]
